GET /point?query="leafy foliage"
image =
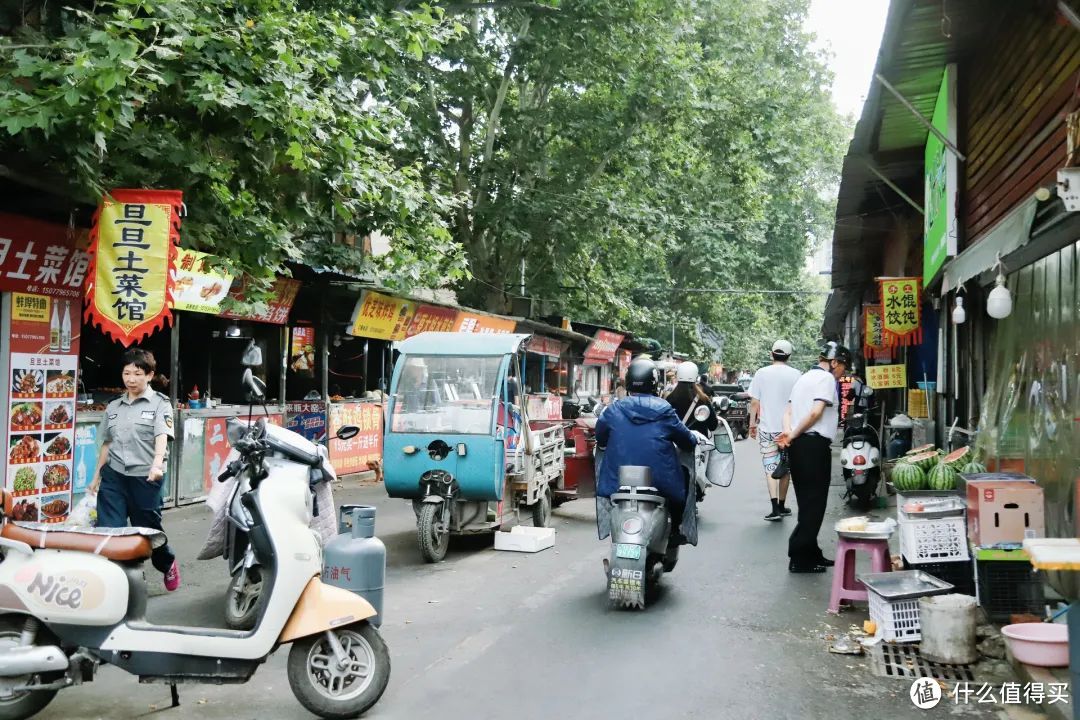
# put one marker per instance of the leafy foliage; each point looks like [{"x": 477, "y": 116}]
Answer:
[{"x": 278, "y": 121}]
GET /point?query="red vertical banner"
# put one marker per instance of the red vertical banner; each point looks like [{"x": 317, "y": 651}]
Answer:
[{"x": 133, "y": 245}]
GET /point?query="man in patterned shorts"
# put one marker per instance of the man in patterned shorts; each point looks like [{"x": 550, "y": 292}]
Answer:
[{"x": 769, "y": 393}]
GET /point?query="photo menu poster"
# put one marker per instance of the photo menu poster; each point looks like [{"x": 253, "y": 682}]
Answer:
[{"x": 42, "y": 364}]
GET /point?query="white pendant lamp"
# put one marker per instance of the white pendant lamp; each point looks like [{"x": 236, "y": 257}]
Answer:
[{"x": 999, "y": 301}]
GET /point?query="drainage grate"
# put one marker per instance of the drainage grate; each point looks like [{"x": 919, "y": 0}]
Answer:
[{"x": 904, "y": 661}]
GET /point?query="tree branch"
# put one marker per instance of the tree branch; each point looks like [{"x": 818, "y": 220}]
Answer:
[{"x": 493, "y": 118}]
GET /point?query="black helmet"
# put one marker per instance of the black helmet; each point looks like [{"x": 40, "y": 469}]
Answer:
[
  {"x": 641, "y": 376},
  {"x": 835, "y": 351}
]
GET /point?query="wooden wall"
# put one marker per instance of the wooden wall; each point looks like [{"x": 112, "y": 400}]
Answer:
[{"x": 1014, "y": 93}]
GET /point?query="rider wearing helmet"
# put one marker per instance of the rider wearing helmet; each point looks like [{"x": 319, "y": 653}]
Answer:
[
  {"x": 640, "y": 430},
  {"x": 810, "y": 423},
  {"x": 688, "y": 396}
]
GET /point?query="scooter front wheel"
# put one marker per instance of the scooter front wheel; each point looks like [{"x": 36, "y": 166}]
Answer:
[
  {"x": 242, "y": 598},
  {"x": 341, "y": 676}
]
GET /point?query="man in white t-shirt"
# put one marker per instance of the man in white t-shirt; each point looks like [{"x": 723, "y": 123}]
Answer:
[
  {"x": 769, "y": 393},
  {"x": 809, "y": 428}
]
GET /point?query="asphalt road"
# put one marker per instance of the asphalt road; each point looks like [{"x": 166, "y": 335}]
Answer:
[{"x": 487, "y": 634}]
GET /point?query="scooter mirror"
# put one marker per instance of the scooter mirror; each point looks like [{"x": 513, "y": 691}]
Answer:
[
  {"x": 347, "y": 432},
  {"x": 701, "y": 414},
  {"x": 255, "y": 386}
]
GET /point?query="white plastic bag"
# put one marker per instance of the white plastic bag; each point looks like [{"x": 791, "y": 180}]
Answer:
[{"x": 85, "y": 513}]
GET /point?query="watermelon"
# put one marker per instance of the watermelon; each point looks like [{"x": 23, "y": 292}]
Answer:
[
  {"x": 925, "y": 460},
  {"x": 907, "y": 477},
  {"x": 973, "y": 468},
  {"x": 942, "y": 477},
  {"x": 920, "y": 450},
  {"x": 959, "y": 458}
]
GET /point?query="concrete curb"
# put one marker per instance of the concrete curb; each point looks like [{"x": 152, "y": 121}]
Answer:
[{"x": 1033, "y": 674}]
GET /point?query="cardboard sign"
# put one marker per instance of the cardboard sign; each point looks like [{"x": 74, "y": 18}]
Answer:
[
  {"x": 885, "y": 377},
  {"x": 353, "y": 455}
]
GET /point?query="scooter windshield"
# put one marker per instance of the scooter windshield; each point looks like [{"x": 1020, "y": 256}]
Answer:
[{"x": 446, "y": 394}]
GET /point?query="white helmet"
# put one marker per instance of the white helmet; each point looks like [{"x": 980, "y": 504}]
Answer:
[
  {"x": 687, "y": 372},
  {"x": 782, "y": 347}
]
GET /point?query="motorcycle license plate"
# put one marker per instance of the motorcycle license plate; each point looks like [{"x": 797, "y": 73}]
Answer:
[{"x": 630, "y": 552}]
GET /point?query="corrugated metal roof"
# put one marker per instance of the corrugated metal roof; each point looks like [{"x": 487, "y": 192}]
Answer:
[{"x": 920, "y": 38}]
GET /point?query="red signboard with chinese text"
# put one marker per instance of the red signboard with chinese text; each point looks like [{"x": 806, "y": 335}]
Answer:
[
  {"x": 543, "y": 407},
  {"x": 353, "y": 455},
  {"x": 216, "y": 445},
  {"x": 602, "y": 349},
  {"x": 546, "y": 346},
  {"x": 276, "y": 310},
  {"x": 133, "y": 245},
  {"x": 40, "y": 257},
  {"x": 432, "y": 318},
  {"x": 901, "y": 310}
]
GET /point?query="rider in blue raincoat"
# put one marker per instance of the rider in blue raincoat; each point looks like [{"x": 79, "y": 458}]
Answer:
[{"x": 643, "y": 429}]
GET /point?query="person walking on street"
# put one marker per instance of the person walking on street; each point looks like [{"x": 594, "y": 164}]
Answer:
[
  {"x": 810, "y": 423},
  {"x": 770, "y": 390},
  {"x": 135, "y": 436}
]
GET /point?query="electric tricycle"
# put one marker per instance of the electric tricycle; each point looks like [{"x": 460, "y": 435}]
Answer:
[{"x": 458, "y": 442}]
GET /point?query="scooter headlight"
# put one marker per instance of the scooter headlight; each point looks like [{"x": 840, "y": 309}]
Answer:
[{"x": 632, "y": 525}]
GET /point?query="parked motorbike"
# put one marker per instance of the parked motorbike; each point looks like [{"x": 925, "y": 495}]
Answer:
[
  {"x": 733, "y": 406},
  {"x": 245, "y": 571},
  {"x": 860, "y": 454},
  {"x": 643, "y": 542},
  {"x": 71, "y": 600}
]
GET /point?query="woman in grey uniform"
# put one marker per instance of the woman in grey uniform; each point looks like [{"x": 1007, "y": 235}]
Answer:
[{"x": 131, "y": 464}]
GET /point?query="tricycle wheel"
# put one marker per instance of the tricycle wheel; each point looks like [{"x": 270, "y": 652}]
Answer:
[
  {"x": 434, "y": 539},
  {"x": 328, "y": 688},
  {"x": 541, "y": 509}
]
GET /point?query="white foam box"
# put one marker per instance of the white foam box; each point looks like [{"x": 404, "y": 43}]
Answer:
[{"x": 525, "y": 539}]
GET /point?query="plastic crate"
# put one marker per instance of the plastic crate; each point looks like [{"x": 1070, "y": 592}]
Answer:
[
  {"x": 898, "y": 620},
  {"x": 1008, "y": 587},
  {"x": 936, "y": 540},
  {"x": 958, "y": 573}
]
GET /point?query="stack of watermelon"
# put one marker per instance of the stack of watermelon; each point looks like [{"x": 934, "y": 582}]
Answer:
[{"x": 926, "y": 467}]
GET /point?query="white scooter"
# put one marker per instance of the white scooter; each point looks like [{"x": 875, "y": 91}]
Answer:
[{"x": 71, "y": 600}]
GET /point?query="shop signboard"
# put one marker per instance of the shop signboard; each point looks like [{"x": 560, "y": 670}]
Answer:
[
  {"x": 900, "y": 307},
  {"x": 432, "y": 318},
  {"x": 216, "y": 446},
  {"x": 302, "y": 351},
  {"x": 42, "y": 363},
  {"x": 198, "y": 288},
  {"x": 133, "y": 244},
  {"x": 353, "y": 455},
  {"x": 941, "y": 181},
  {"x": 41, "y": 258},
  {"x": 381, "y": 317},
  {"x": 544, "y": 407},
  {"x": 843, "y": 389},
  {"x": 602, "y": 349},
  {"x": 274, "y": 311},
  {"x": 546, "y": 346},
  {"x": 307, "y": 419},
  {"x": 468, "y": 322},
  {"x": 885, "y": 377}
]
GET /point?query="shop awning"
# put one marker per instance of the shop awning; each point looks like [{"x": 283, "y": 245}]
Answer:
[{"x": 1009, "y": 235}]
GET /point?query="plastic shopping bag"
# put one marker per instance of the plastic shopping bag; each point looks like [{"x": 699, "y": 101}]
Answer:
[{"x": 85, "y": 513}]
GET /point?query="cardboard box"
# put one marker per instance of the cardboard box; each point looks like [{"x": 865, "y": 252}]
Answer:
[{"x": 1004, "y": 512}]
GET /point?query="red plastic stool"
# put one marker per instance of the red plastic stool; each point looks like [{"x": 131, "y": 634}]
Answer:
[{"x": 845, "y": 588}]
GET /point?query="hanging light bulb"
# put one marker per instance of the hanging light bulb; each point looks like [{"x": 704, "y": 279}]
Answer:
[
  {"x": 959, "y": 315},
  {"x": 999, "y": 302}
]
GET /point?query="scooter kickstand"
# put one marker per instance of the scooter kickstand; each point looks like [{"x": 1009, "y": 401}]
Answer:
[{"x": 175, "y": 695}]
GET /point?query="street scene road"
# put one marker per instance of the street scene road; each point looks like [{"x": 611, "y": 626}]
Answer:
[{"x": 490, "y": 634}]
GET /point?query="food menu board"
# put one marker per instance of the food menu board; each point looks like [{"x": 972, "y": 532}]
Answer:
[{"x": 41, "y": 409}]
